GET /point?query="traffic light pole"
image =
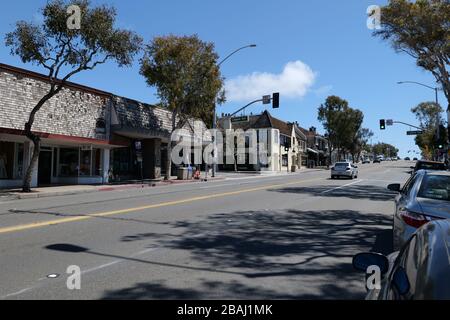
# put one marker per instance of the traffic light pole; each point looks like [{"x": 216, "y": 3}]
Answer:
[{"x": 407, "y": 124}]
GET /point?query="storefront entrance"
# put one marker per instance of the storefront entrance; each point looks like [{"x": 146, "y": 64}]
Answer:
[{"x": 45, "y": 168}]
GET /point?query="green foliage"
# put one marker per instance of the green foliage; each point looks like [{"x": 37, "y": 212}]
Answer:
[
  {"x": 428, "y": 113},
  {"x": 422, "y": 30},
  {"x": 343, "y": 125},
  {"x": 385, "y": 149},
  {"x": 54, "y": 46},
  {"x": 184, "y": 70}
]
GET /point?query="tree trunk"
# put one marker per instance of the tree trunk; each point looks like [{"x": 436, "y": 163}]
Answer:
[
  {"x": 36, "y": 141},
  {"x": 169, "y": 161}
]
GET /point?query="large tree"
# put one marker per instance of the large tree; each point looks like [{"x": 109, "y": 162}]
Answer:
[
  {"x": 360, "y": 143},
  {"x": 185, "y": 73},
  {"x": 343, "y": 126},
  {"x": 331, "y": 115},
  {"x": 428, "y": 114},
  {"x": 64, "y": 51},
  {"x": 421, "y": 29},
  {"x": 385, "y": 149}
]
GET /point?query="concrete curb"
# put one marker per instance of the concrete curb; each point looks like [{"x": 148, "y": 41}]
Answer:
[{"x": 37, "y": 195}]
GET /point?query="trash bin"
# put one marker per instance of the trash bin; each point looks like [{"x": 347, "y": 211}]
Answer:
[
  {"x": 182, "y": 173},
  {"x": 293, "y": 168}
]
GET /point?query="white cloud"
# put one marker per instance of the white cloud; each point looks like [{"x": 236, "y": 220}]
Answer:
[
  {"x": 323, "y": 90},
  {"x": 294, "y": 82}
]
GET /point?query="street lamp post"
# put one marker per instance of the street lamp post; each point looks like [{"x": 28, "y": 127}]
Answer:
[
  {"x": 436, "y": 89},
  {"x": 214, "y": 169}
]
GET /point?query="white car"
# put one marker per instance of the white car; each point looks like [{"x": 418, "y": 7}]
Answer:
[{"x": 344, "y": 169}]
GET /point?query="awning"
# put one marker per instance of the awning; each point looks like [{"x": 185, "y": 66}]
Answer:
[{"x": 312, "y": 150}]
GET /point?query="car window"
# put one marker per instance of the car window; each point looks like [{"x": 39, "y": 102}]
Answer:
[
  {"x": 410, "y": 184},
  {"x": 435, "y": 187},
  {"x": 341, "y": 165}
]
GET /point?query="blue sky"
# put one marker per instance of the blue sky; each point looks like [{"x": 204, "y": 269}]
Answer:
[{"x": 307, "y": 50}]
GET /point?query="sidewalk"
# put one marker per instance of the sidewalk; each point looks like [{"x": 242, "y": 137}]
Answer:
[{"x": 15, "y": 194}]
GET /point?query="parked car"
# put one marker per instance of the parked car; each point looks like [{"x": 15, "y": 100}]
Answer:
[
  {"x": 407, "y": 159},
  {"x": 366, "y": 161},
  {"x": 424, "y": 198},
  {"x": 388, "y": 159},
  {"x": 377, "y": 161},
  {"x": 420, "y": 271},
  {"x": 344, "y": 169},
  {"x": 415, "y": 159},
  {"x": 429, "y": 165}
]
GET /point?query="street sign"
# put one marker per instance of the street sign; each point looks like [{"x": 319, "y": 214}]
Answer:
[
  {"x": 267, "y": 99},
  {"x": 414, "y": 133},
  {"x": 240, "y": 119},
  {"x": 390, "y": 122}
]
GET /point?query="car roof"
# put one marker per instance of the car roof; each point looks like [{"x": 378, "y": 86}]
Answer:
[
  {"x": 434, "y": 172},
  {"x": 431, "y": 162}
]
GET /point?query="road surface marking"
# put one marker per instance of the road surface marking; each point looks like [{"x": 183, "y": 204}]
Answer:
[
  {"x": 15, "y": 293},
  {"x": 82, "y": 217},
  {"x": 341, "y": 187}
]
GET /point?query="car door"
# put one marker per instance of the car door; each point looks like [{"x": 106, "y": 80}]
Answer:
[{"x": 401, "y": 281}]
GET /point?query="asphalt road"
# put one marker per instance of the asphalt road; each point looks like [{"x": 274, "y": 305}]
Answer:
[{"x": 287, "y": 237}]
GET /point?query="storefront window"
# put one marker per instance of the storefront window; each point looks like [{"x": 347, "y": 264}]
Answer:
[
  {"x": 68, "y": 162},
  {"x": 85, "y": 162},
  {"x": 97, "y": 158},
  {"x": 19, "y": 161},
  {"x": 285, "y": 160},
  {"x": 6, "y": 160}
]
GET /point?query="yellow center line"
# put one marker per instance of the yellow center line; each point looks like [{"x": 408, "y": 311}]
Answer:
[{"x": 82, "y": 217}]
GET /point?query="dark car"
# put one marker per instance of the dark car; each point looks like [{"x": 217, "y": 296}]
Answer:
[
  {"x": 429, "y": 165},
  {"x": 420, "y": 271},
  {"x": 377, "y": 161},
  {"x": 415, "y": 159},
  {"x": 407, "y": 159}
]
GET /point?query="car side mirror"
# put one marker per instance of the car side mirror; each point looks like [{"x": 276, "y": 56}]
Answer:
[
  {"x": 400, "y": 281},
  {"x": 394, "y": 187},
  {"x": 363, "y": 261}
]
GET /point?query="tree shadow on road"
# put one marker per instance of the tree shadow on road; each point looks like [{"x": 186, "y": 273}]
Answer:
[
  {"x": 356, "y": 192},
  {"x": 305, "y": 248}
]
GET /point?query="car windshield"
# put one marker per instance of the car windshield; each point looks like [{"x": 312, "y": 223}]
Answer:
[
  {"x": 341, "y": 165},
  {"x": 431, "y": 166},
  {"x": 435, "y": 187}
]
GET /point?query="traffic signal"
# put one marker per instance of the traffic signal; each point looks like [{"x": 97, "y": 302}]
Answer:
[
  {"x": 382, "y": 124},
  {"x": 276, "y": 100}
]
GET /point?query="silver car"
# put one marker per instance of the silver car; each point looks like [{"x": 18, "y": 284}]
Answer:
[
  {"x": 420, "y": 271},
  {"x": 424, "y": 198},
  {"x": 344, "y": 169}
]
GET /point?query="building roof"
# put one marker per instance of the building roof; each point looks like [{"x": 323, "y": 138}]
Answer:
[
  {"x": 265, "y": 120},
  {"x": 42, "y": 77}
]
